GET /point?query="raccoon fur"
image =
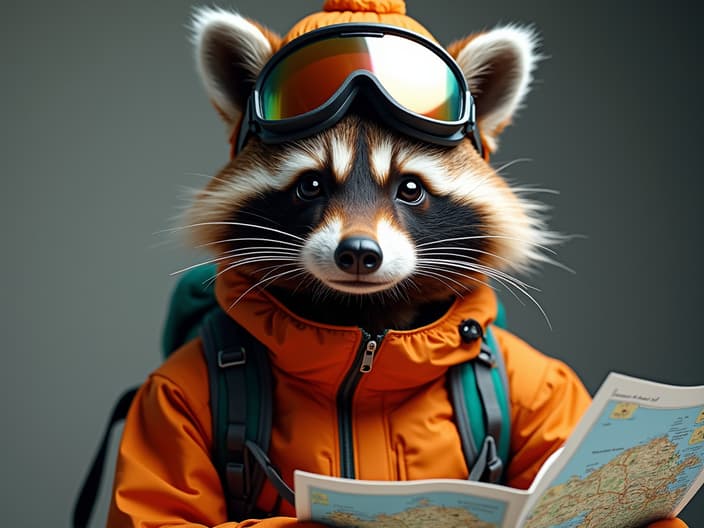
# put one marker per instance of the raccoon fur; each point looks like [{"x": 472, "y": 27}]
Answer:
[{"x": 359, "y": 225}]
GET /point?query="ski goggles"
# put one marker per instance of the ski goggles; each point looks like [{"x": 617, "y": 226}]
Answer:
[{"x": 413, "y": 85}]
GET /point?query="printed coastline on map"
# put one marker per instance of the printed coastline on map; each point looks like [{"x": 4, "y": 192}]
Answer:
[
  {"x": 410, "y": 504},
  {"x": 636, "y": 455}
]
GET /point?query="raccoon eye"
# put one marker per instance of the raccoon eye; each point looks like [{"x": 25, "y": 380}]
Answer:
[
  {"x": 310, "y": 186},
  {"x": 411, "y": 191}
]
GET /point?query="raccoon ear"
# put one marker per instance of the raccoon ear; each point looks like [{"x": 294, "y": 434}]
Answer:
[
  {"x": 499, "y": 68},
  {"x": 230, "y": 53}
]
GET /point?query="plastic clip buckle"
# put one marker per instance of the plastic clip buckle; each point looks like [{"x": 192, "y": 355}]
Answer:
[{"x": 232, "y": 357}]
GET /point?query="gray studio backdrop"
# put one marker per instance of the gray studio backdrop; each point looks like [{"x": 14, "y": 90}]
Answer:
[{"x": 104, "y": 124}]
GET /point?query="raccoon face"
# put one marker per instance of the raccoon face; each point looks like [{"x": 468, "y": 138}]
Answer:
[{"x": 359, "y": 222}]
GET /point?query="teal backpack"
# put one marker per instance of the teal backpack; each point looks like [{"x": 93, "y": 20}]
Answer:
[{"x": 240, "y": 382}]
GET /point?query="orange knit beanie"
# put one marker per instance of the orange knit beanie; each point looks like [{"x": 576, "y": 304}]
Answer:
[{"x": 392, "y": 12}]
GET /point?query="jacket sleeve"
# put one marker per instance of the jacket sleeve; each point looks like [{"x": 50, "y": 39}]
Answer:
[
  {"x": 669, "y": 523},
  {"x": 547, "y": 402},
  {"x": 164, "y": 476}
]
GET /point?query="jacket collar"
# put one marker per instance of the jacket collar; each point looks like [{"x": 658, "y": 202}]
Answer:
[{"x": 323, "y": 354}]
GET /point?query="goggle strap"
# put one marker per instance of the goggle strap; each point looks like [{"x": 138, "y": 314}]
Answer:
[
  {"x": 476, "y": 137},
  {"x": 478, "y": 142},
  {"x": 240, "y": 133},
  {"x": 234, "y": 139}
]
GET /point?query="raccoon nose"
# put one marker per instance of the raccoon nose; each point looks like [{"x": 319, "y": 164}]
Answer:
[{"x": 358, "y": 255}]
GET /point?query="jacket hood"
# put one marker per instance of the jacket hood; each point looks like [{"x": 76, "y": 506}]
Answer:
[{"x": 323, "y": 354}]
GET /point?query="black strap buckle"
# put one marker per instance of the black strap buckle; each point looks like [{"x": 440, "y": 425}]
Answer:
[
  {"x": 486, "y": 357},
  {"x": 488, "y": 467},
  {"x": 236, "y": 476},
  {"x": 232, "y": 357}
]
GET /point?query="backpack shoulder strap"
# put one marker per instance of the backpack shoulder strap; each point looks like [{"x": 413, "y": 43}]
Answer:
[
  {"x": 499, "y": 383},
  {"x": 83, "y": 508},
  {"x": 241, "y": 404},
  {"x": 479, "y": 394}
]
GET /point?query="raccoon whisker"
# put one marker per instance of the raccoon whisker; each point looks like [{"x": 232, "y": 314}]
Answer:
[
  {"x": 536, "y": 190},
  {"x": 198, "y": 265},
  {"x": 323, "y": 293},
  {"x": 503, "y": 282},
  {"x": 250, "y": 260},
  {"x": 459, "y": 273},
  {"x": 456, "y": 239},
  {"x": 268, "y": 258},
  {"x": 254, "y": 260},
  {"x": 506, "y": 284},
  {"x": 307, "y": 281},
  {"x": 557, "y": 264},
  {"x": 479, "y": 184},
  {"x": 483, "y": 237},
  {"x": 433, "y": 252},
  {"x": 271, "y": 268},
  {"x": 402, "y": 293},
  {"x": 264, "y": 258},
  {"x": 430, "y": 271},
  {"x": 239, "y": 224},
  {"x": 438, "y": 255},
  {"x": 320, "y": 291},
  {"x": 396, "y": 294},
  {"x": 407, "y": 283},
  {"x": 270, "y": 254},
  {"x": 536, "y": 303},
  {"x": 266, "y": 216},
  {"x": 480, "y": 268},
  {"x": 262, "y": 215},
  {"x": 268, "y": 269},
  {"x": 267, "y": 280},
  {"x": 503, "y": 279},
  {"x": 206, "y": 176},
  {"x": 260, "y": 250},
  {"x": 443, "y": 280},
  {"x": 511, "y": 163},
  {"x": 508, "y": 280},
  {"x": 544, "y": 258},
  {"x": 486, "y": 283},
  {"x": 250, "y": 239},
  {"x": 254, "y": 250}
]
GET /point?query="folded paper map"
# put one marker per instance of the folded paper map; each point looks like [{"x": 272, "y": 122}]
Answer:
[{"x": 636, "y": 456}]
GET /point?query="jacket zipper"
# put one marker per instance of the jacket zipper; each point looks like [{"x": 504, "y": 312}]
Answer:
[{"x": 363, "y": 363}]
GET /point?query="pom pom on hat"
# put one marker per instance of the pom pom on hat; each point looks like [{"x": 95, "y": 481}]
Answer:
[
  {"x": 391, "y": 12},
  {"x": 376, "y": 6}
]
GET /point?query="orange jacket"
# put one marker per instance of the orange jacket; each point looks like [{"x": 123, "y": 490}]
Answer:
[{"x": 402, "y": 419}]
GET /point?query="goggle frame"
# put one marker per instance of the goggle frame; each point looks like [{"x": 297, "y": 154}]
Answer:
[{"x": 359, "y": 83}]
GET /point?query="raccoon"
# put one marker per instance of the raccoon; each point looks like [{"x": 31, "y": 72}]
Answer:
[
  {"x": 355, "y": 248},
  {"x": 359, "y": 224}
]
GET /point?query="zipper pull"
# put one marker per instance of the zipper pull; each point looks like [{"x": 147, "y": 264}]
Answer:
[{"x": 368, "y": 357}]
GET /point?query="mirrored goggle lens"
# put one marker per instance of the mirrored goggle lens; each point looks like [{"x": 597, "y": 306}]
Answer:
[{"x": 414, "y": 76}]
